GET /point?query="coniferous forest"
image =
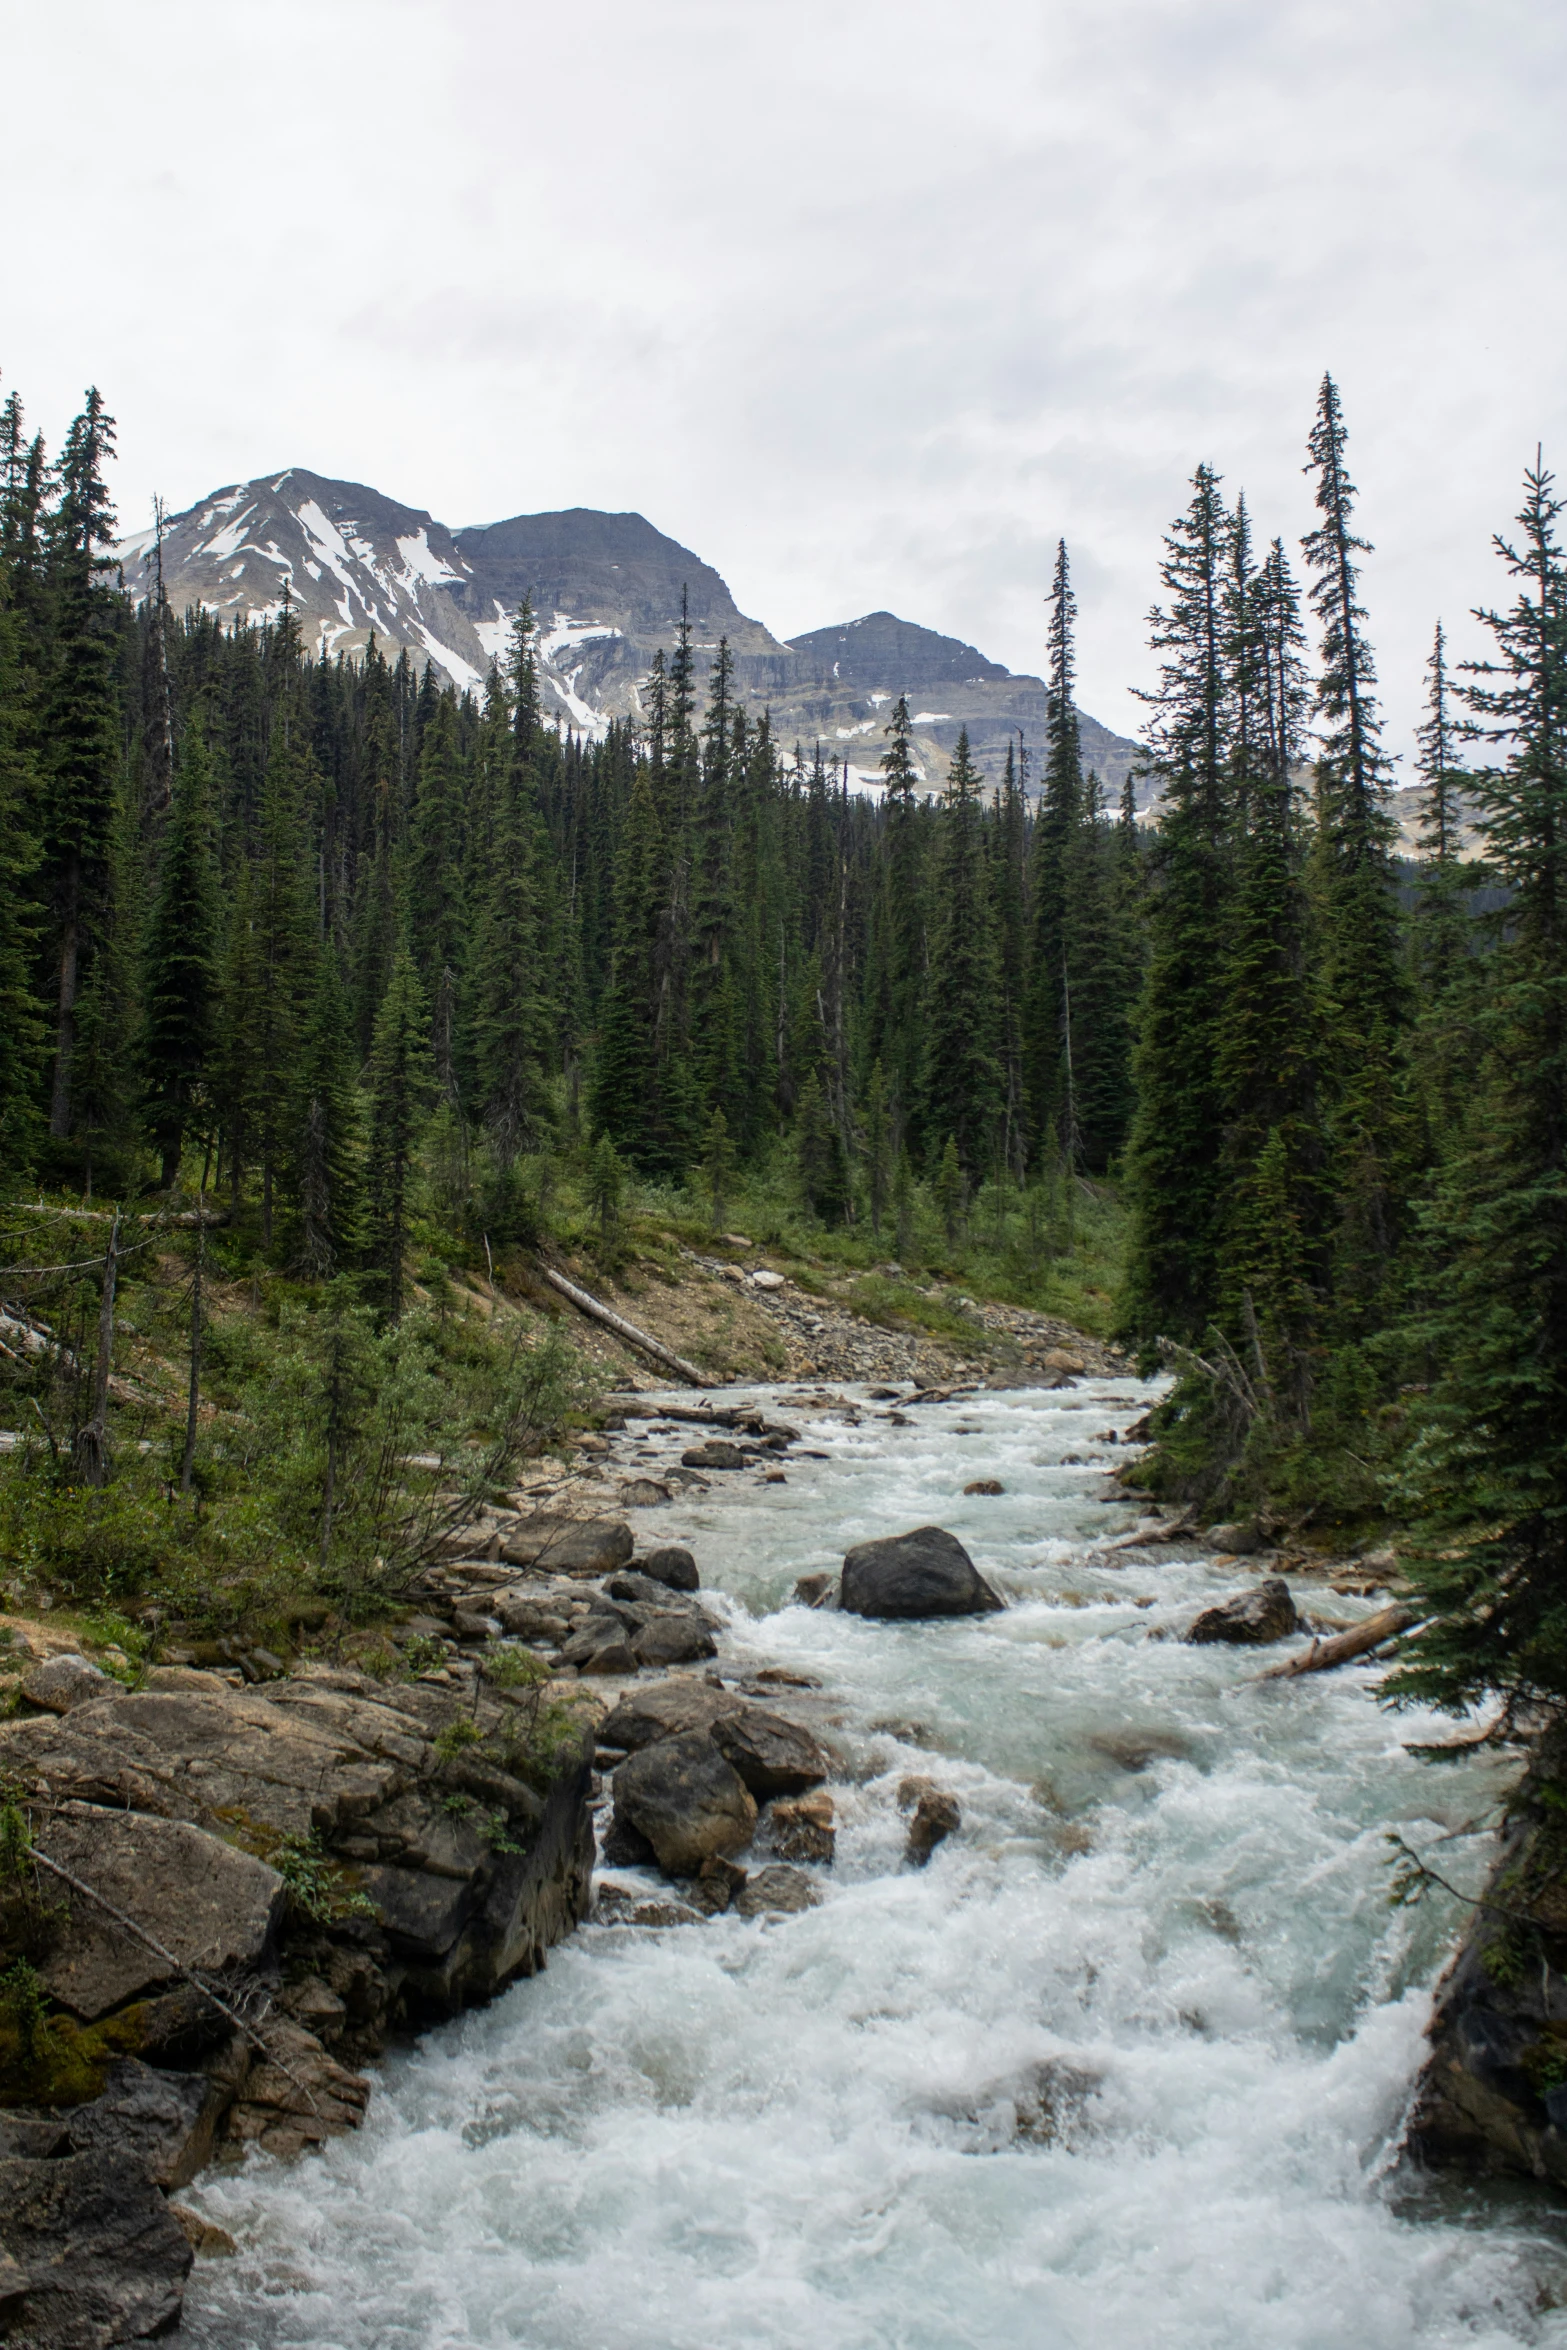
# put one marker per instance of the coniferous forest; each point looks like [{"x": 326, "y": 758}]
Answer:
[{"x": 322, "y": 956}]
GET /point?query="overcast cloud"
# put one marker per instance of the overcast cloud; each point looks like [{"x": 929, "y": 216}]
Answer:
[{"x": 866, "y": 302}]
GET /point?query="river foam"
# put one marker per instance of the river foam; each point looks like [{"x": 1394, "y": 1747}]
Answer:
[{"x": 1124, "y": 2066}]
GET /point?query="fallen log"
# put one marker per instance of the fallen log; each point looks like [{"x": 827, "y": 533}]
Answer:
[
  {"x": 184, "y": 1219},
  {"x": 1344, "y": 1647},
  {"x": 1178, "y": 1531},
  {"x": 628, "y": 1331},
  {"x": 700, "y": 1415},
  {"x": 21, "y": 1337}
]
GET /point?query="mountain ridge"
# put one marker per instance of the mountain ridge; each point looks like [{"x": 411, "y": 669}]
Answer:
[{"x": 607, "y": 589}]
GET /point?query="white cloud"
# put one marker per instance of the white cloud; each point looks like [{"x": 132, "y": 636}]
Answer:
[{"x": 865, "y": 302}]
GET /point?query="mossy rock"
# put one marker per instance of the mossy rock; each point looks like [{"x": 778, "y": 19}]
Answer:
[{"x": 68, "y": 2062}]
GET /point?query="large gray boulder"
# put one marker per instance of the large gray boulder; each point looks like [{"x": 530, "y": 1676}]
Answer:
[
  {"x": 210, "y": 1906},
  {"x": 926, "y": 1573},
  {"x": 1251, "y": 1619},
  {"x": 687, "y": 1801},
  {"x": 667, "y": 1709},
  {"x": 773, "y": 1755},
  {"x": 569, "y": 1546}
]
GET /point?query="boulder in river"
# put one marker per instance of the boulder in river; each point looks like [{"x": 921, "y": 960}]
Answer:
[
  {"x": 1491, "y": 2097},
  {"x": 686, "y": 1800},
  {"x": 925, "y": 1573},
  {"x": 672, "y": 1564},
  {"x": 773, "y": 1755},
  {"x": 643, "y": 1493},
  {"x": 716, "y": 1453},
  {"x": 666, "y": 1709},
  {"x": 673, "y": 1637},
  {"x": 1251, "y": 1619},
  {"x": 779, "y": 1890}
]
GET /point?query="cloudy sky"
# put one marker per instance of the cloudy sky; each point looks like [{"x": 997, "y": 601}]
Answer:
[{"x": 867, "y": 302}]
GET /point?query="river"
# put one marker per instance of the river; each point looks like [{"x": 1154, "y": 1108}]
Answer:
[{"x": 1122, "y": 2069}]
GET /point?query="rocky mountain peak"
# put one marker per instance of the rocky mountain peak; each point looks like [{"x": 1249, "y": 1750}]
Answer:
[{"x": 606, "y": 590}]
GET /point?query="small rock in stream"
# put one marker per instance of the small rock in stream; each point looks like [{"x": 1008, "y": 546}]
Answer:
[
  {"x": 778, "y": 1889},
  {"x": 937, "y": 1815},
  {"x": 716, "y": 1453},
  {"x": 1251, "y": 1619},
  {"x": 802, "y": 1828},
  {"x": 671, "y": 1564},
  {"x": 671, "y": 1639}
]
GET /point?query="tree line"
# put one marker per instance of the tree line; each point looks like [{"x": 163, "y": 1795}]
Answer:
[
  {"x": 304, "y": 935},
  {"x": 279, "y": 926}
]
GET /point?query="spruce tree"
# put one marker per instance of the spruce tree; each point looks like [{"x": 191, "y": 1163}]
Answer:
[
  {"x": 961, "y": 1099},
  {"x": 718, "y": 1166},
  {"x": 1011, "y": 918},
  {"x": 822, "y": 1164},
  {"x": 1096, "y": 1094},
  {"x": 1488, "y": 1467},
  {"x": 82, "y": 731},
  {"x": 328, "y": 1164},
  {"x": 1051, "y": 882},
  {"x": 401, "y": 1082},
  {"x": 1362, "y": 978},
  {"x": 282, "y": 962},
  {"x": 1272, "y": 1273},
  {"x": 1175, "y": 1174},
  {"x": 625, "y": 1077},
  {"x": 181, "y": 974},
  {"x": 1443, "y": 963},
  {"x": 899, "y": 979},
  {"x": 233, "y": 1070},
  {"x": 506, "y": 980},
  {"x": 878, "y": 1146},
  {"x": 951, "y": 1189},
  {"x": 22, "y": 1029},
  {"x": 437, "y": 917}
]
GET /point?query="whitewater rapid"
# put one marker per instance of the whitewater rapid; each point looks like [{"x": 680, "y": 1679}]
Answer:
[{"x": 1122, "y": 2069}]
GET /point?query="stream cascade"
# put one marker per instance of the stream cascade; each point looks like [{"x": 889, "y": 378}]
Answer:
[{"x": 1126, "y": 2064}]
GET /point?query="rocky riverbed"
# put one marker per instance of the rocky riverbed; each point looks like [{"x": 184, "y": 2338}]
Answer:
[{"x": 699, "y": 1640}]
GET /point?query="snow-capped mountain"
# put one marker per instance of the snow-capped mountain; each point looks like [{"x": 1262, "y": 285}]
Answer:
[
  {"x": 606, "y": 589},
  {"x": 356, "y": 564}
]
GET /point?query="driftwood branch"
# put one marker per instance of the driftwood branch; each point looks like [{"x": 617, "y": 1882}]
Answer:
[
  {"x": 1344, "y": 1647},
  {"x": 687, "y": 1372}
]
